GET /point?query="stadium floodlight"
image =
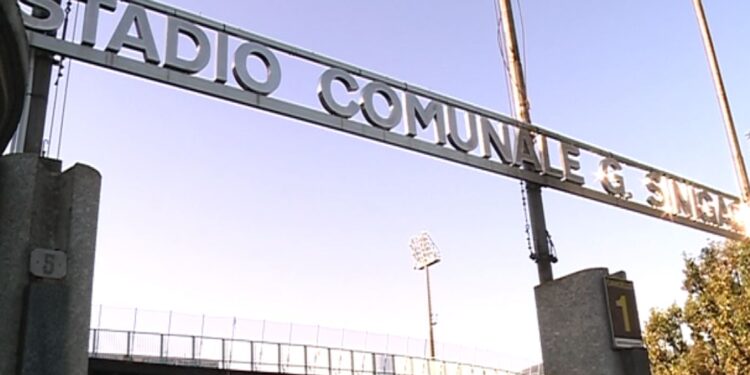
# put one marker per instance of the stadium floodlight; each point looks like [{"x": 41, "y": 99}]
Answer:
[
  {"x": 424, "y": 251},
  {"x": 425, "y": 254}
]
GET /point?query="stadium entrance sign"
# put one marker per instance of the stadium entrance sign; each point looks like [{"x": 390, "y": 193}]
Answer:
[{"x": 198, "y": 54}]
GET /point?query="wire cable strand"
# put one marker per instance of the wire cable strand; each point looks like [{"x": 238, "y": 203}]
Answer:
[
  {"x": 67, "y": 86},
  {"x": 523, "y": 47},
  {"x": 60, "y": 68},
  {"x": 501, "y": 47}
]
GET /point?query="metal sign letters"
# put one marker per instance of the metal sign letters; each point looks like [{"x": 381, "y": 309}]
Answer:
[{"x": 412, "y": 118}]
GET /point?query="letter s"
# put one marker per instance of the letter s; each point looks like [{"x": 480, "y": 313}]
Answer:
[{"x": 46, "y": 15}]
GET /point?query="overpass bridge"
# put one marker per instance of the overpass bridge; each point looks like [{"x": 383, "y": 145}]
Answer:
[{"x": 124, "y": 352}]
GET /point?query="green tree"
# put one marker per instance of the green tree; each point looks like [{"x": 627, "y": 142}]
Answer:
[{"x": 710, "y": 333}]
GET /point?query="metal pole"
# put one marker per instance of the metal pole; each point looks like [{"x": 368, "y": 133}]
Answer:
[
  {"x": 252, "y": 357},
  {"x": 169, "y": 333},
  {"x": 533, "y": 191},
  {"x": 203, "y": 325},
  {"x": 135, "y": 318},
  {"x": 192, "y": 347},
  {"x": 18, "y": 142},
  {"x": 96, "y": 342},
  {"x": 304, "y": 354},
  {"x": 127, "y": 348},
  {"x": 223, "y": 356},
  {"x": 99, "y": 317},
  {"x": 330, "y": 365},
  {"x": 713, "y": 62},
  {"x": 429, "y": 311},
  {"x": 30, "y": 135},
  {"x": 37, "y": 114}
]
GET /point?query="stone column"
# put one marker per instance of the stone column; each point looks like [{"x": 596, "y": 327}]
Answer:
[
  {"x": 574, "y": 329},
  {"x": 44, "y": 322}
]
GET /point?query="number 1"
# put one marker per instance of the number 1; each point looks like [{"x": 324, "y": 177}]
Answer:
[{"x": 622, "y": 303}]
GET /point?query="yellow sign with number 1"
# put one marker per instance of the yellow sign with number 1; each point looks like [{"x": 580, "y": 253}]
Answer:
[{"x": 623, "y": 313}]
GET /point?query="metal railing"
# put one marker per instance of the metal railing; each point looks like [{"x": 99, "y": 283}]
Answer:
[{"x": 268, "y": 357}]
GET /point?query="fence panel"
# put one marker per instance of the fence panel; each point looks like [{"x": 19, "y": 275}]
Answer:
[{"x": 266, "y": 357}]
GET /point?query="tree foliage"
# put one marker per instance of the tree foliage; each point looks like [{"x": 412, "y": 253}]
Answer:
[{"x": 710, "y": 333}]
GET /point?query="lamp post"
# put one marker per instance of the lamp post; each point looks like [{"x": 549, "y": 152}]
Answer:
[{"x": 425, "y": 254}]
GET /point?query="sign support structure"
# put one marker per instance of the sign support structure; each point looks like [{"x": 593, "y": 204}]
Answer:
[
  {"x": 721, "y": 93},
  {"x": 532, "y": 190},
  {"x": 30, "y": 136},
  {"x": 416, "y": 119}
]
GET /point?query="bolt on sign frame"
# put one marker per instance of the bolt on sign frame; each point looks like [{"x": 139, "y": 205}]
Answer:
[{"x": 413, "y": 118}]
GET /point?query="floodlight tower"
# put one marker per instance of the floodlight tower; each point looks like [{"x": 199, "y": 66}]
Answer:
[{"x": 425, "y": 254}]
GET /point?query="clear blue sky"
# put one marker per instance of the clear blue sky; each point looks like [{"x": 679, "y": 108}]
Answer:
[{"x": 216, "y": 208}]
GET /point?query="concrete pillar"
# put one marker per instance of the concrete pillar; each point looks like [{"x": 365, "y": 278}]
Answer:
[
  {"x": 574, "y": 329},
  {"x": 44, "y": 322}
]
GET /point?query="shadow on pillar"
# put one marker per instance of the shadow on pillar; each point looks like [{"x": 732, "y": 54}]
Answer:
[{"x": 44, "y": 321}]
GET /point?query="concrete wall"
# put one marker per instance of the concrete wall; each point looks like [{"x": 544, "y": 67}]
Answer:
[{"x": 44, "y": 322}]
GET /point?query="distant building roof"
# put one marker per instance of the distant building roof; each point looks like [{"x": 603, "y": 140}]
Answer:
[{"x": 534, "y": 370}]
